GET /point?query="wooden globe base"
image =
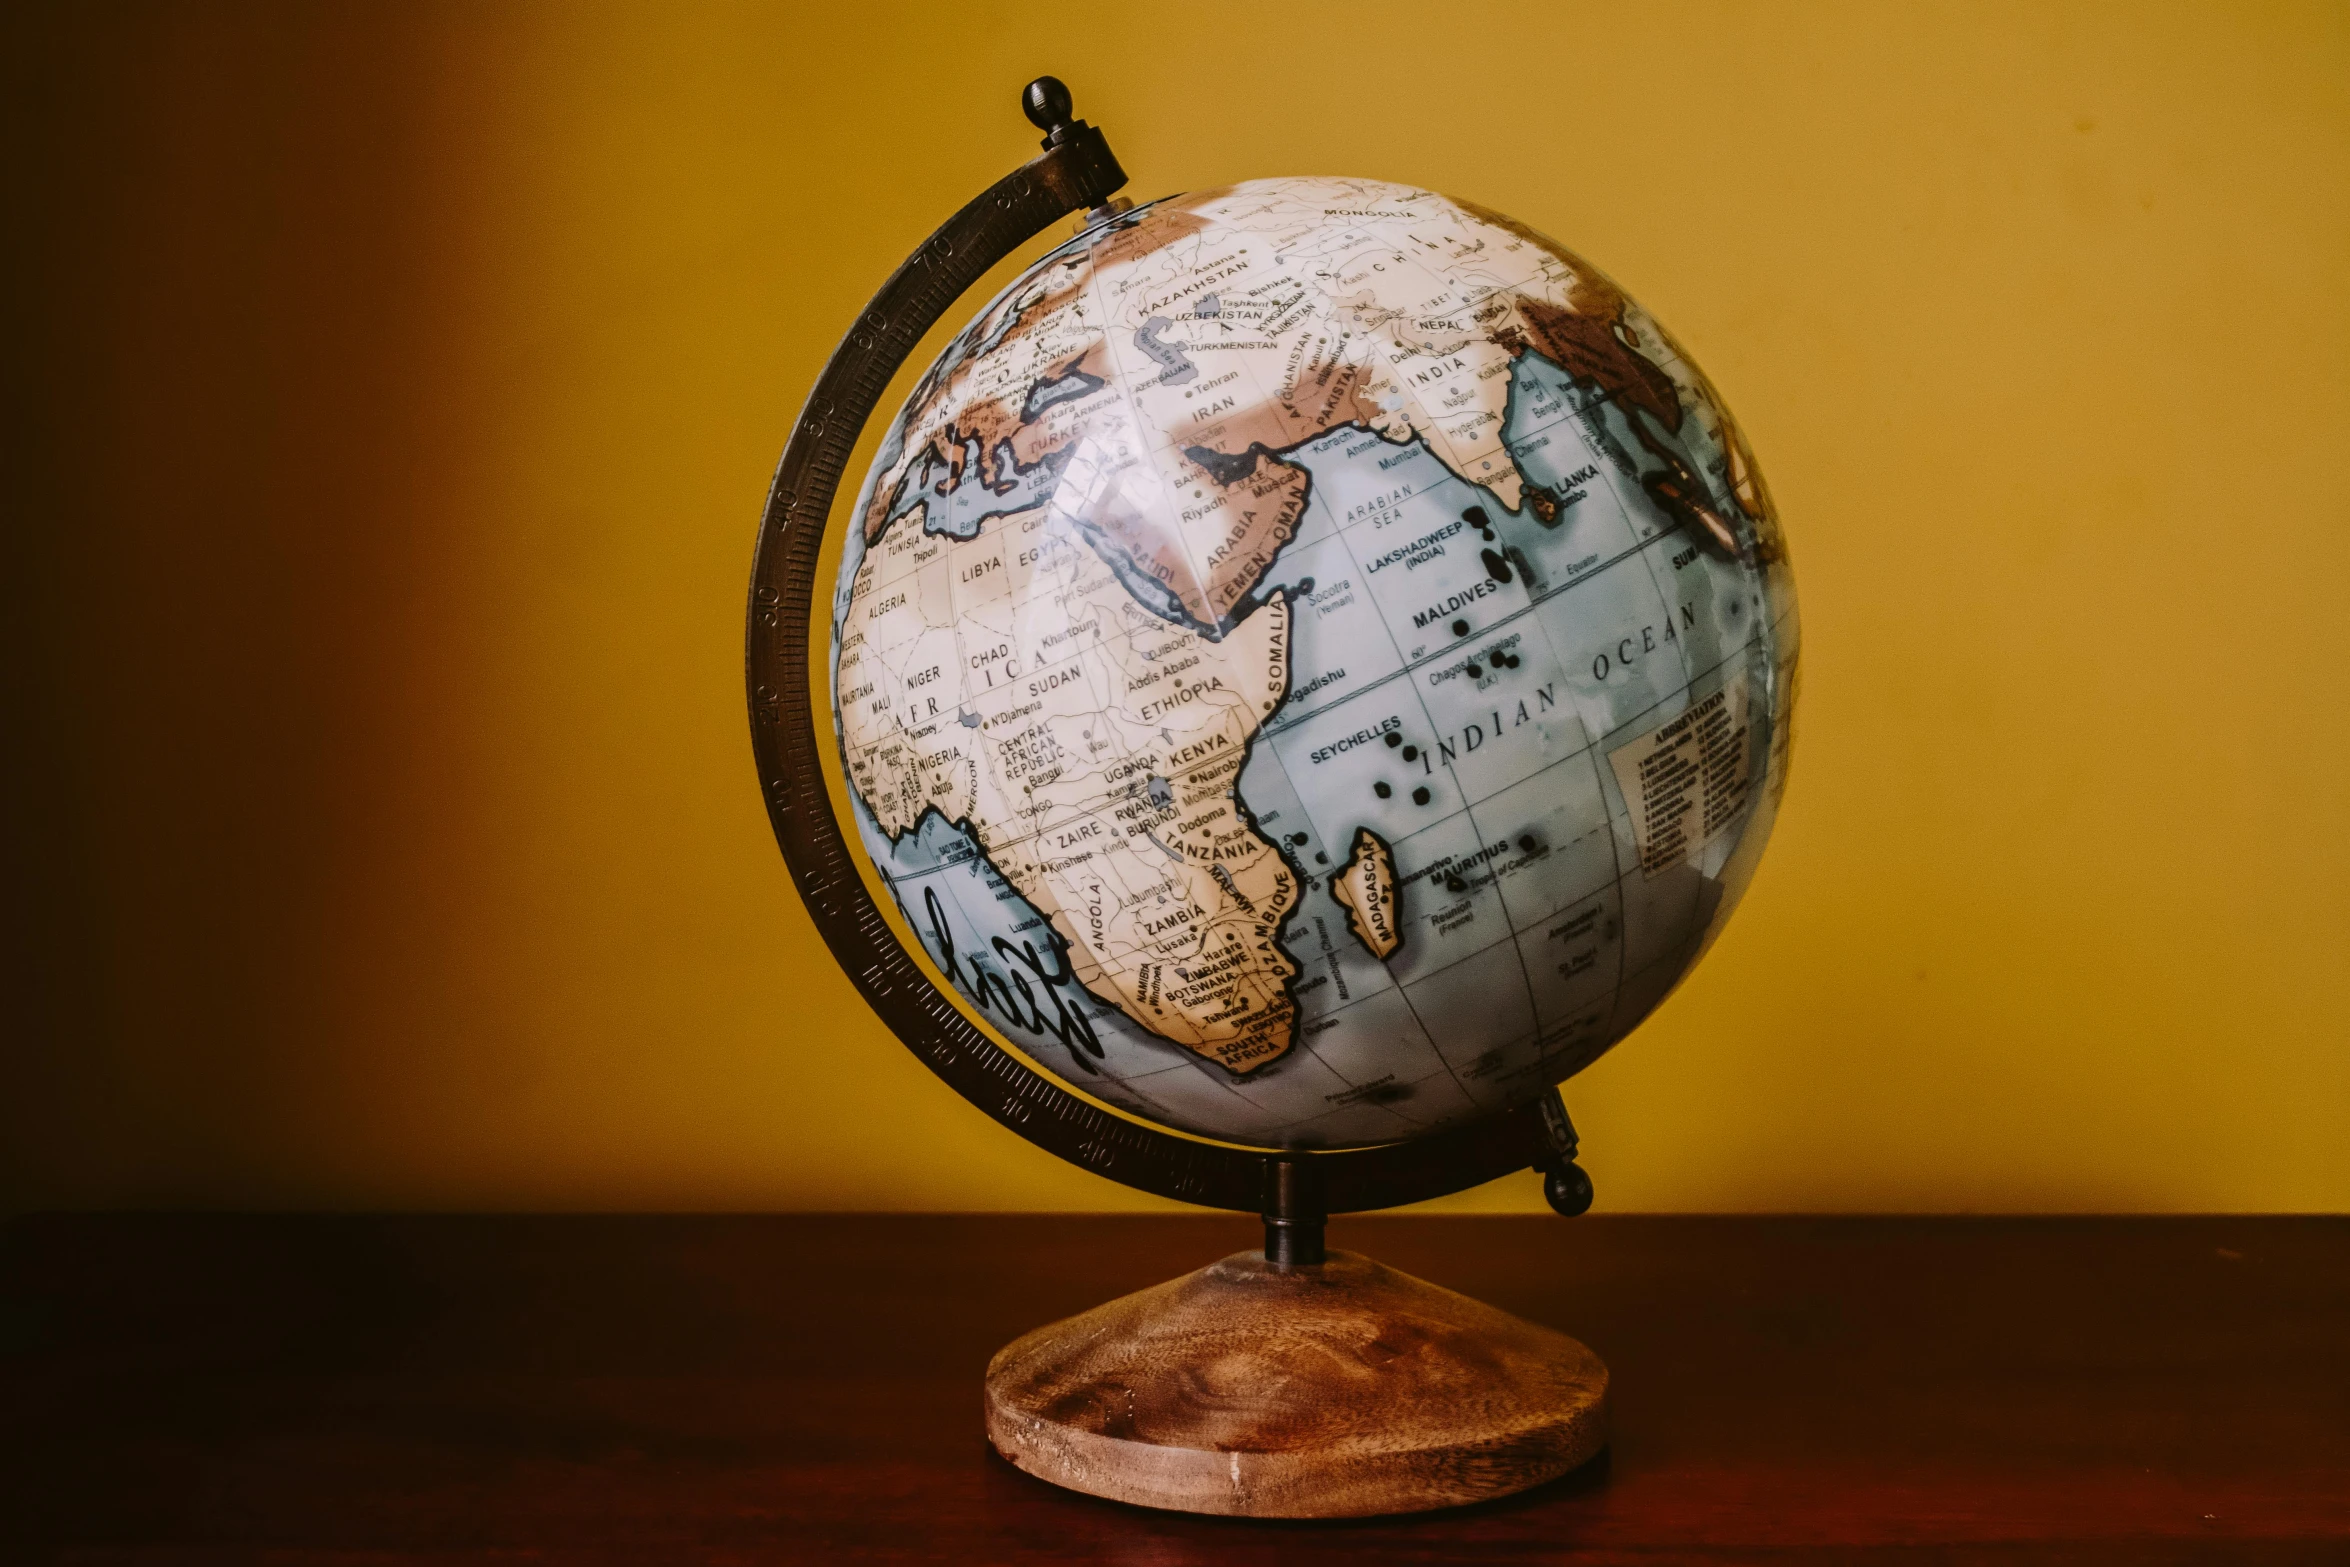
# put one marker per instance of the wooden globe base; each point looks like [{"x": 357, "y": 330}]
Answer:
[{"x": 1339, "y": 1389}]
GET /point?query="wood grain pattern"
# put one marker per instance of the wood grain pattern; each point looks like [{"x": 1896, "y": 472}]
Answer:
[
  {"x": 1339, "y": 1390},
  {"x": 462, "y": 1392}
]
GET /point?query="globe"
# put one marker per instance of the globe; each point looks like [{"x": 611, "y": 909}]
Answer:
[{"x": 1313, "y": 663}]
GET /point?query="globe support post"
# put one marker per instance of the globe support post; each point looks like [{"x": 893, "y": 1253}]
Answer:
[{"x": 1294, "y": 1218}]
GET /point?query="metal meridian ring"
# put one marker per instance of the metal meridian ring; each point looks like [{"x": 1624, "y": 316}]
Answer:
[{"x": 1078, "y": 172}]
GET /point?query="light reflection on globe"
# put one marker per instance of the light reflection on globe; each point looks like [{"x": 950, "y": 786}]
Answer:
[{"x": 1313, "y": 661}]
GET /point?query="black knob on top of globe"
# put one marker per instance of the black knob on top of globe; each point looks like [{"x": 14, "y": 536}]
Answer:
[
  {"x": 1311, "y": 666},
  {"x": 1047, "y": 105}
]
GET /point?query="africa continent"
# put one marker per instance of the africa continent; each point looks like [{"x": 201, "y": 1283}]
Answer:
[
  {"x": 1060, "y": 635},
  {"x": 1092, "y": 756}
]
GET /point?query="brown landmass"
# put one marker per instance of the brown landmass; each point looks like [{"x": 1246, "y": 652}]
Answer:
[
  {"x": 1235, "y": 497},
  {"x": 1365, "y": 888},
  {"x": 1241, "y": 510},
  {"x": 989, "y": 421},
  {"x": 1590, "y": 342},
  {"x": 1748, "y": 490},
  {"x": 1679, "y": 493},
  {"x": 1101, "y": 781},
  {"x": 1590, "y": 339}
]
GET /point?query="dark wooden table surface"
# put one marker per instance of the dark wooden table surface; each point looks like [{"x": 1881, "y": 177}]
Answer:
[{"x": 751, "y": 1390}]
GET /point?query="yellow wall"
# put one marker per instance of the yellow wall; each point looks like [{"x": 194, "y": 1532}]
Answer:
[{"x": 401, "y": 384}]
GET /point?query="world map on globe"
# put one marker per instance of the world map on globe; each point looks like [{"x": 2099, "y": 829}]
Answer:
[{"x": 1313, "y": 663}]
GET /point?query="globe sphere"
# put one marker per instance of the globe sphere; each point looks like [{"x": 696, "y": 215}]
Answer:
[{"x": 1313, "y": 663}]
